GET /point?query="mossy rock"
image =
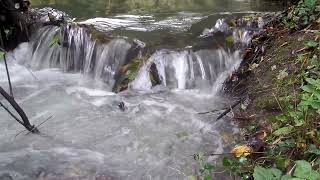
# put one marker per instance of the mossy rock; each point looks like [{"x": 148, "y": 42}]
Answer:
[
  {"x": 267, "y": 103},
  {"x": 129, "y": 72}
]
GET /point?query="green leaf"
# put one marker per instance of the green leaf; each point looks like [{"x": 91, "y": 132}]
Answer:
[
  {"x": 243, "y": 160},
  {"x": 227, "y": 162},
  {"x": 208, "y": 167},
  {"x": 315, "y": 104},
  {"x": 229, "y": 40},
  {"x": 309, "y": 88},
  {"x": 182, "y": 134},
  {"x": 261, "y": 173},
  {"x": 282, "y": 118},
  {"x": 314, "y": 60},
  {"x": 311, "y": 4},
  {"x": 192, "y": 178},
  {"x": 2, "y": 55},
  {"x": 304, "y": 170},
  {"x": 282, "y": 163},
  {"x": 311, "y": 44},
  {"x": 287, "y": 177},
  {"x": 55, "y": 40},
  {"x": 314, "y": 150},
  {"x": 283, "y": 131},
  {"x": 311, "y": 81},
  {"x": 207, "y": 178}
]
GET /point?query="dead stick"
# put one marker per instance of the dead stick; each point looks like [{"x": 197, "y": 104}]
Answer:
[
  {"x": 229, "y": 153},
  {"x": 228, "y": 110},
  {"x": 11, "y": 114},
  {"x": 8, "y": 75},
  {"x": 213, "y": 111},
  {"x": 19, "y": 110}
]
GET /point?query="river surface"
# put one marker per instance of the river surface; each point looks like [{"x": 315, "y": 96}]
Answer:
[{"x": 159, "y": 129}]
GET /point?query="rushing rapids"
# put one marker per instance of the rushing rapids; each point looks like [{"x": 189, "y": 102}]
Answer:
[
  {"x": 78, "y": 51},
  {"x": 157, "y": 131}
]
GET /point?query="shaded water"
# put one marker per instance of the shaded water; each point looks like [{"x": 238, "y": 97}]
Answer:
[
  {"x": 155, "y": 136},
  {"x": 90, "y": 8}
]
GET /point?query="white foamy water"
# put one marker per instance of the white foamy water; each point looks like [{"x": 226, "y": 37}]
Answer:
[
  {"x": 89, "y": 136},
  {"x": 181, "y": 22},
  {"x": 204, "y": 69}
]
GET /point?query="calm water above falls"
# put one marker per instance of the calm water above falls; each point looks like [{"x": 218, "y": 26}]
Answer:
[
  {"x": 89, "y": 137},
  {"x": 101, "y": 8}
]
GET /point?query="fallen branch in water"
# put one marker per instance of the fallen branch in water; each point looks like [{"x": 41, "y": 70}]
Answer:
[
  {"x": 223, "y": 154},
  {"x": 229, "y": 109},
  {"x": 25, "y": 121},
  {"x": 8, "y": 75},
  {"x": 10, "y": 98},
  {"x": 212, "y": 111},
  {"x": 50, "y": 117}
]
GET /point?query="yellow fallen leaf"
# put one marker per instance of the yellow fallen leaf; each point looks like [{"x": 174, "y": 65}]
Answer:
[{"x": 241, "y": 150}]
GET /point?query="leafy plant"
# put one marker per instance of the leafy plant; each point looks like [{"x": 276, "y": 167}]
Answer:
[
  {"x": 2, "y": 54},
  {"x": 311, "y": 95},
  {"x": 205, "y": 169},
  {"x": 311, "y": 44},
  {"x": 302, "y": 14},
  {"x": 55, "y": 41},
  {"x": 239, "y": 166},
  {"x": 261, "y": 173},
  {"x": 303, "y": 171}
]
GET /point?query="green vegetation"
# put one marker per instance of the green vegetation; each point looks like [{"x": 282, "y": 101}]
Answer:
[
  {"x": 55, "y": 41},
  {"x": 129, "y": 72},
  {"x": 301, "y": 15},
  {"x": 303, "y": 170},
  {"x": 205, "y": 169},
  {"x": 283, "y": 122},
  {"x": 2, "y": 53}
]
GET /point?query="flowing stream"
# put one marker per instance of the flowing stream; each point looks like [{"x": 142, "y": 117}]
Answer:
[{"x": 156, "y": 132}]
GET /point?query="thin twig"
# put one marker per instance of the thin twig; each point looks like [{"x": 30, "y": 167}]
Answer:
[
  {"x": 41, "y": 124},
  {"x": 8, "y": 75},
  {"x": 32, "y": 74},
  {"x": 213, "y": 111},
  {"x": 11, "y": 114},
  {"x": 231, "y": 110},
  {"x": 19, "y": 133},
  {"x": 219, "y": 172},
  {"x": 19, "y": 110},
  {"x": 228, "y": 110},
  {"x": 284, "y": 44},
  {"x": 277, "y": 101},
  {"x": 1, "y": 42},
  {"x": 34, "y": 127},
  {"x": 300, "y": 50},
  {"x": 291, "y": 170},
  {"x": 230, "y": 153},
  {"x": 180, "y": 172},
  {"x": 311, "y": 31}
]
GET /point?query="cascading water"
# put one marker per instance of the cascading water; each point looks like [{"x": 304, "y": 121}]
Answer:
[
  {"x": 77, "y": 52},
  {"x": 188, "y": 70},
  {"x": 153, "y": 137}
]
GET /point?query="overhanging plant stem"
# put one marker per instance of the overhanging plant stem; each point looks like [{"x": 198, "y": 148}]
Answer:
[{"x": 8, "y": 75}]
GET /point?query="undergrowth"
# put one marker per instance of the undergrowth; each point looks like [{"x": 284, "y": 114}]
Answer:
[{"x": 290, "y": 148}]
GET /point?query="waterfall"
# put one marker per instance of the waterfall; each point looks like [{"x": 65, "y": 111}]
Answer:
[
  {"x": 151, "y": 130},
  {"x": 187, "y": 69},
  {"x": 78, "y": 50}
]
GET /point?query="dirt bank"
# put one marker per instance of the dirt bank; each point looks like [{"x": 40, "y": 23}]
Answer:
[{"x": 278, "y": 84}]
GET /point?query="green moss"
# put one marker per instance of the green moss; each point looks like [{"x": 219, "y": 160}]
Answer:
[{"x": 267, "y": 103}]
